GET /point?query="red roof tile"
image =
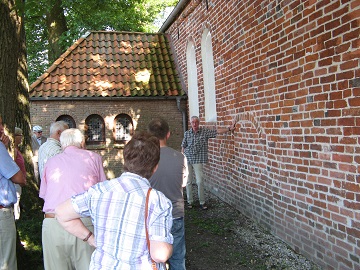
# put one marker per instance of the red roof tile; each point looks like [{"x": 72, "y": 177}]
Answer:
[{"x": 112, "y": 64}]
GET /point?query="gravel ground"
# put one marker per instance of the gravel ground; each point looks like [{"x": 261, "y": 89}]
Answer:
[{"x": 222, "y": 238}]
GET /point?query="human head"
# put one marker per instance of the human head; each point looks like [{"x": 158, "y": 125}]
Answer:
[
  {"x": 195, "y": 123},
  {"x": 18, "y": 135},
  {"x": 159, "y": 128},
  {"x": 37, "y": 131},
  {"x": 56, "y": 128},
  {"x": 18, "y": 131},
  {"x": 72, "y": 137},
  {"x": 142, "y": 154}
]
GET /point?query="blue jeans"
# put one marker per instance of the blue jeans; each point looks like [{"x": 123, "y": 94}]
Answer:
[{"x": 177, "y": 260}]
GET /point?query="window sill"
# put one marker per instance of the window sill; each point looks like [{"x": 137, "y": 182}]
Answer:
[
  {"x": 95, "y": 146},
  {"x": 119, "y": 145}
]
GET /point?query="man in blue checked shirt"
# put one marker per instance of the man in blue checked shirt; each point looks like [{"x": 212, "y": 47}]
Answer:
[{"x": 117, "y": 208}]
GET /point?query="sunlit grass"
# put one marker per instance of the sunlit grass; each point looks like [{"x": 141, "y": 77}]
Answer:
[{"x": 29, "y": 227}]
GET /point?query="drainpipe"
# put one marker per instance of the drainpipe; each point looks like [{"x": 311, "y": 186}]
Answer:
[
  {"x": 173, "y": 15},
  {"x": 183, "y": 113}
]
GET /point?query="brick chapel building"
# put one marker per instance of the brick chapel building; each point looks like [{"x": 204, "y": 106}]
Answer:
[
  {"x": 289, "y": 73},
  {"x": 110, "y": 85}
]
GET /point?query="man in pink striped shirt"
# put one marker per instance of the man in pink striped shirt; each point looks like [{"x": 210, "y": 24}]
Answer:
[{"x": 66, "y": 174}]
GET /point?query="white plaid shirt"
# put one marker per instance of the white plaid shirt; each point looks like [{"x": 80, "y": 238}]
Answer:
[
  {"x": 196, "y": 145},
  {"x": 117, "y": 210},
  {"x": 47, "y": 150}
]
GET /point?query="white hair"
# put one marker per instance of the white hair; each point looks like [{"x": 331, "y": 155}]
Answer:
[
  {"x": 72, "y": 137},
  {"x": 58, "y": 126}
]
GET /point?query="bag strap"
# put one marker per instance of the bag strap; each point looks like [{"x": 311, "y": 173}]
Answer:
[{"x": 153, "y": 264}]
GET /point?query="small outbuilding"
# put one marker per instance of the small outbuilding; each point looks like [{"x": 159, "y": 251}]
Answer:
[{"x": 110, "y": 85}]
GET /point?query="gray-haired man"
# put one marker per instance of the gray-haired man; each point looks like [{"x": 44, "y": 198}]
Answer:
[
  {"x": 195, "y": 148},
  {"x": 37, "y": 139},
  {"x": 52, "y": 146}
]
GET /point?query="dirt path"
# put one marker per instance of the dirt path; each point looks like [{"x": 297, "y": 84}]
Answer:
[{"x": 222, "y": 238}]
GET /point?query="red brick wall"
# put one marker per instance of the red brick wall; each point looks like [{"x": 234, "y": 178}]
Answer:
[
  {"x": 43, "y": 113},
  {"x": 288, "y": 72}
]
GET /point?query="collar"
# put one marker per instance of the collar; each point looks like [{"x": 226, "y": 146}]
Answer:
[
  {"x": 52, "y": 139},
  {"x": 192, "y": 131},
  {"x": 135, "y": 176},
  {"x": 71, "y": 148}
]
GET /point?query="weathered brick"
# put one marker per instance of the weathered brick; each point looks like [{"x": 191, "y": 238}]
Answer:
[
  {"x": 309, "y": 49},
  {"x": 79, "y": 110}
]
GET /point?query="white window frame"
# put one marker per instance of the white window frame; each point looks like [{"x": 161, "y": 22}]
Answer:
[
  {"x": 193, "y": 90},
  {"x": 208, "y": 76}
]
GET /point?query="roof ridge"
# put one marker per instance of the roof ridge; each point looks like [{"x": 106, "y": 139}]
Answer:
[
  {"x": 59, "y": 60},
  {"x": 126, "y": 32}
]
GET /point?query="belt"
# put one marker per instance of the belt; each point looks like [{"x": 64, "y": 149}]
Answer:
[{"x": 49, "y": 215}]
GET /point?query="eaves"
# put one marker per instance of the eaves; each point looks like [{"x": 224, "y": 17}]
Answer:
[{"x": 106, "y": 98}]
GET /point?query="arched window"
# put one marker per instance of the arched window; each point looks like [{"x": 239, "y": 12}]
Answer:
[
  {"x": 209, "y": 76},
  {"x": 123, "y": 128},
  {"x": 68, "y": 119},
  {"x": 193, "y": 91},
  {"x": 94, "y": 129}
]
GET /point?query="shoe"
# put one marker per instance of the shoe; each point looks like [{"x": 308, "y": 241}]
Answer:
[
  {"x": 189, "y": 206},
  {"x": 203, "y": 206}
]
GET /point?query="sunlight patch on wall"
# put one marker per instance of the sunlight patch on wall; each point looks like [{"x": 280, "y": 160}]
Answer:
[
  {"x": 135, "y": 116},
  {"x": 45, "y": 108}
]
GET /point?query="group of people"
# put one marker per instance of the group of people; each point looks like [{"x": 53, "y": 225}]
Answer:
[
  {"x": 10, "y": 175},
  {"x": 135, "y": 221}
]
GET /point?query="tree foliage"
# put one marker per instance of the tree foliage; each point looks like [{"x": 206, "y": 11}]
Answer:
[{"x": 48, "y": 36}]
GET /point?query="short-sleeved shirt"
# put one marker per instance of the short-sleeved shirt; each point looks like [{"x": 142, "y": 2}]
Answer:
[
  {"x": 196, "y": 144},
  {"x": 117, "y": 210},
  {"x": 68, "y": 173},
  {"x": 8, "y": 169},
  {"x": 47, "y": 150}
]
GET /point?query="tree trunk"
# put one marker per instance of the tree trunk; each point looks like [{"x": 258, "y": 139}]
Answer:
[
  {"x": 56, "y": 25},
  {"x": 14, "y": 89},
  {"x": 9, "y": 43}
]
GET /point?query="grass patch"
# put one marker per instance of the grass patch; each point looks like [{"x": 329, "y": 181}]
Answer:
[
  {"x": 216, "y": 226},
  {"x": 29, "y": 227}
]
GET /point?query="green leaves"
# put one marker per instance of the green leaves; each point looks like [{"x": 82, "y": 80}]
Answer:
[{"x": 82, "y": 16}]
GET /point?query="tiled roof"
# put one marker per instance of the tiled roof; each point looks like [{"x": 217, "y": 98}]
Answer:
[{"x": 112, "y": 64}]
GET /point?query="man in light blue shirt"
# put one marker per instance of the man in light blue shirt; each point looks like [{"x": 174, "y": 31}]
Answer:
[
  {"x": 9, "y": 174},
  {"x": 37, "y": 139}
]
